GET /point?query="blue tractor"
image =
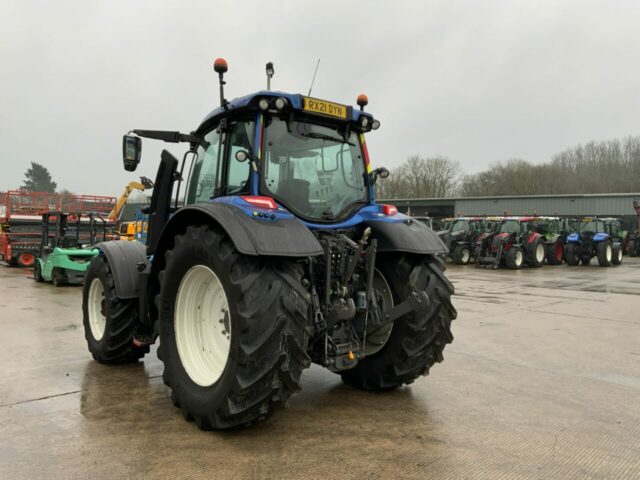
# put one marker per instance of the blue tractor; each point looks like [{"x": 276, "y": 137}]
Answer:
[
  {"x": 275, "y": 256},
  {"x": 593, "y": 239}
]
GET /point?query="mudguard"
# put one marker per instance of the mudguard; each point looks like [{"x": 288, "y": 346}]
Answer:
[
  {"x": 123, "y": 257},
  {"x": 284, "y": 237},
  {"x": 406, "y": 236},
  {"x": 553, "y": 239}
]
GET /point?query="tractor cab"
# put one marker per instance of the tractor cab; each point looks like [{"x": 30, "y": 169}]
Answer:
[{"x": 66, "y": 246}]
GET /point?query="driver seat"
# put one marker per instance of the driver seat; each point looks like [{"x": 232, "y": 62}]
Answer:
[{"x": 295, "y": 192}]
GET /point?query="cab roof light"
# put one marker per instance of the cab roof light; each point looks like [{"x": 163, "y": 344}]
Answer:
[
  {"x": 362, "y": 101},
  {"x": 260, "y": 201}
]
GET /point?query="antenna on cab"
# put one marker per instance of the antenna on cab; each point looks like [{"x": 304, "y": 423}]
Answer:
[{"x": 314, "y": 78}]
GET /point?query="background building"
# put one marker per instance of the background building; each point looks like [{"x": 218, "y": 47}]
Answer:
[{"x": 603, "y": 205}]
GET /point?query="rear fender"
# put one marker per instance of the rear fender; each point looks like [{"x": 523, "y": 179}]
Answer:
[
  {"x": 407, "y": 236},
  {"x": 251, "y": 235}
]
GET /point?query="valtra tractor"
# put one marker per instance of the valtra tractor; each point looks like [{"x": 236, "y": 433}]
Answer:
[
  {"x": 515, "y": 243},
  {"x": 279, "y": 257},
  {"x": 461, "y": 238},
  {"x": 593, "y": 239}
]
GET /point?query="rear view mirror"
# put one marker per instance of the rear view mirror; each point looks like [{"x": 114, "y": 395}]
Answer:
[
  {"x": 131, "y": 150},
  {"x": 378, "y": 173}
]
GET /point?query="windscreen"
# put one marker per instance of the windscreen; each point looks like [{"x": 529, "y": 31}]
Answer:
[
  {"x": 313, "y": 170},
  {"x": 509, "y": 226},
  {"x": 591, "y": 227},
  {"x": 459, "y": 226}
]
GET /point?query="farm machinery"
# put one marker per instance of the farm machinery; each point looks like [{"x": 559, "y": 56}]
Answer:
[
  {"x": 633, "y": 244},
  {"x": 21, "y": 220},
  {"x": 515, "y": 243},
  {"x": 461, "y": 236},
  {"x": 64, "y": 254},
  {"x": 278, "y": 257},
  {"x": 594, "y": 238}
]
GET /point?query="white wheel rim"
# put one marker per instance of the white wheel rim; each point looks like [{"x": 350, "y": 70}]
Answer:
[
  {"x": 97, "y": 318},
  {"x": 465, "y": 255},
  {"x": 518, "y": 258},
  {"x": 609, "y": 253},
  {"x": 619, "y": 255},
  {"x": 540, "y": 253},
  {"x": 202, "y": 325}
]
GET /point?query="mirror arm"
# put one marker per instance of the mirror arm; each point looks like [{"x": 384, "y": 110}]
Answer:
[{"x": 168, "y": 136}]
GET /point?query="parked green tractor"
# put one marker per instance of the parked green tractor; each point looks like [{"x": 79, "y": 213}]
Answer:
[{"x": 66, "y": 247}]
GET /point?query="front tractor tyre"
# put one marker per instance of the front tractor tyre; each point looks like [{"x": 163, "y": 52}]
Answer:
[
  {"x": 233, "y": 329},
  {"x": 417, "y": 340},
  {"x": 571, "y": 254},
  {"x": 605, "y": 254},
  {"x": 109, "y": 322},
  {"x": 515, "y": 258},
  {"x": 461, "y": 255}
]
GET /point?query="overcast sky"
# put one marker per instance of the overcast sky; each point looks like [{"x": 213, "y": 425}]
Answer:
[{"x": 474, "y": 81}]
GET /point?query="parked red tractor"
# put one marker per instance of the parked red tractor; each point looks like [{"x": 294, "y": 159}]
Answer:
[{"x": 516, "y": 243}]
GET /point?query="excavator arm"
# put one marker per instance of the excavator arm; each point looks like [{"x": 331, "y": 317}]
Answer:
[{"x": 142, "y": 185}]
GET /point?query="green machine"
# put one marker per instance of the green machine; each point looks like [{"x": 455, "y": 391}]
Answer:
[{"x": 67, "y": 246}]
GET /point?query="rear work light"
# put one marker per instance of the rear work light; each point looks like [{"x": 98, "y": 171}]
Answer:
[
  {"x": 260, "y": 201},
  {"x": 389, "y": 209}
]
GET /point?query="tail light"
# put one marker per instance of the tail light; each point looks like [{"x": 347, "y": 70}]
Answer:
[
  {"x": 389, "y": 209},
  {"x": 260, "y": 201}
]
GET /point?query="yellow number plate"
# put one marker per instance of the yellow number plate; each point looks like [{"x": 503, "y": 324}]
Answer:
[{"x": 323, "y": 107}]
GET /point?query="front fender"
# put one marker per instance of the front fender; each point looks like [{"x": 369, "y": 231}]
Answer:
[{"x": 123, "y": 257}]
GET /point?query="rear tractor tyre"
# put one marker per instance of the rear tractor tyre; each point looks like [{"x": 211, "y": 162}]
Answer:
[
  {"x": 515, "y": 258},
  {"x": 605, "y": 254},
  {"x": 461, "y": 255},
  {"x": 109, "y": 322},
  {"x": 555, "y": 253},
  {"x": 571, "y": 255},
  {"x": 632, "y": 248},
  {"x": 233, "y": 330},
  {"x": 416, "y": 341},
  {"x": 37, "y": 271},
  {"x": 537, "y": 254},
  {"x": 617, "y": 255}
]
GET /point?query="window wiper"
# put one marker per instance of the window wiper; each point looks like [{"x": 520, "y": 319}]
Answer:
[{"x": 323, "y": 136}]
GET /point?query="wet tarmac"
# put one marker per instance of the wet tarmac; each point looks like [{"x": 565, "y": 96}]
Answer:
[{"x": 542, "y": 381}]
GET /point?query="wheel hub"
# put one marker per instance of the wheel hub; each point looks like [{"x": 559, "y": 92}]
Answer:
[
  {"x": 95, "y": 305},
  {"x": 202, "y": 325}
]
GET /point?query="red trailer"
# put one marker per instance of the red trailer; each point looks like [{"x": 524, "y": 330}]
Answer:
[{"x": 21, "y": 219}]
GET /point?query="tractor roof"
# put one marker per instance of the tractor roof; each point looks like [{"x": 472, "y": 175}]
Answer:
[{"x": 295, "y": 101}]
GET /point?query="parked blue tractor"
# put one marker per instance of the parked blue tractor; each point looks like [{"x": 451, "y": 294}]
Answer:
[
  {"x": 593, "y": 239},
  {"x": 276, "y": 256}
]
